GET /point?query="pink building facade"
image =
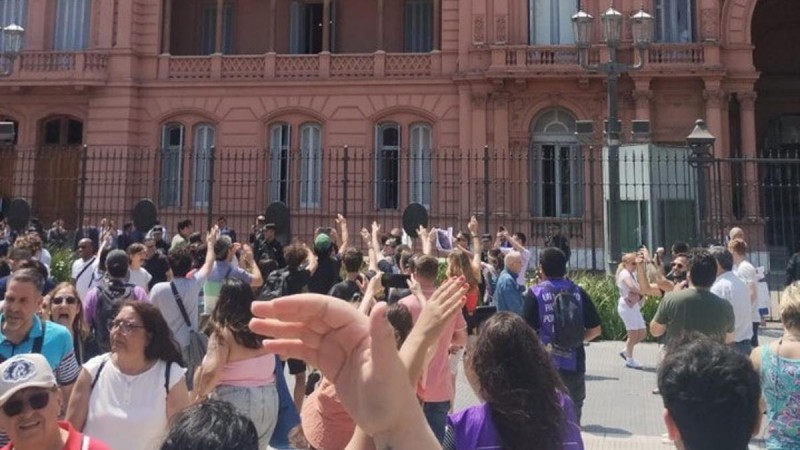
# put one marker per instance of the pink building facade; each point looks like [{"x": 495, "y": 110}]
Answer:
[{"x": 378, "y": 75}]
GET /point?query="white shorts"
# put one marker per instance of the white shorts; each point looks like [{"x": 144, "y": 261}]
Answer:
[{"x": 631, "y": 316}]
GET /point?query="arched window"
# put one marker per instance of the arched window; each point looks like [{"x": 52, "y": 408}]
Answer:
[
  {"x": 387, "y": 162},
  {"x": 556, "y": 166},
  {"x": 420, "y": 167},
  {"x": 172, "y": 139},
  {"x": 72, "y": 25},
  {"x": 675, "y": 20},
  {"x": 204, "y": 138},
  {"x": 279, "y": 144},
  {"x": 550, "y": 22},
  {"x": 310, "y": 165},
  {"x": 13, "y": 11}
]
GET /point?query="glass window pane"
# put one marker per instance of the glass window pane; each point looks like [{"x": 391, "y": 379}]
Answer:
[{"x": 72, "y": 25}]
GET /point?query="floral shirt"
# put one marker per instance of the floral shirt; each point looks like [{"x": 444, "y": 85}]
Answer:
[{"x": 780, "y": 382}]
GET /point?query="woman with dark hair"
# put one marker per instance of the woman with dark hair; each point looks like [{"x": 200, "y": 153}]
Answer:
[
  {"x": 236, "y": 368},
  {"x": 64, "y": 307},
  {"x": 127, "y": 397},
  {"x": 526, "y": 407}
]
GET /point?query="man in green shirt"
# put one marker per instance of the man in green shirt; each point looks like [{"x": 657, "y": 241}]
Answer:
[
  {"x": 181, "y": 239},
  {"x": 695, "y": 308}
]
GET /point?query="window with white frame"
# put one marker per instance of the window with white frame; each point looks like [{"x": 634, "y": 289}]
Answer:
[
  {"x": 204, "y": 138},
  {"x": 279, "y": 145},
  {"x": 675, "y": 20},
  {"x": 387, "y": 166},
  {"x": 12, "y": 12},
  {"x": 172, "y": 138},
  {"x": 72, "y": 25},
  {"x": 418, "y": 26},
  {"x": 550, "y": 22},
  {"x": 310, "y": 165},
  {"x": 208, "y": 38},
  {"x": 556, "y": 166},
  {"x": 420, "y": 164}
]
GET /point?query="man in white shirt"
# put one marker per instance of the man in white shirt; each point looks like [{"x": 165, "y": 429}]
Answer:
[
  {"x": 517, "y": 241},
  {"x": 83, "y": 268},
  {"x": 747, "y": 273},
  {"x": 736, "y": 292},
  {"x": 138, "y": 275},
  {"x": 188, "y": 289}
]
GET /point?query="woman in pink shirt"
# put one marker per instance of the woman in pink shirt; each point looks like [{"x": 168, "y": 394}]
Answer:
[{"x": 236, "y": 368}]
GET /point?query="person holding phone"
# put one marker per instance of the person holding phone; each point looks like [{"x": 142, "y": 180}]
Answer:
[{"x": 629, "y": 308}]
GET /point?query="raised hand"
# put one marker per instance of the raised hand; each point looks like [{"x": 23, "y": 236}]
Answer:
[
  {"x": 357, "y": 353},
  {"x": 376, "y": 228},
  {"x": 472, "y": 226},
  {"x": 212, "y": 236},
  {"x": 340, "y": 219}
]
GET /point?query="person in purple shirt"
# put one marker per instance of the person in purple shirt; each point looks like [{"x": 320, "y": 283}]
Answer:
[
  {"x": 102, "y": 302},
  {"x": 525, "y": 404}
]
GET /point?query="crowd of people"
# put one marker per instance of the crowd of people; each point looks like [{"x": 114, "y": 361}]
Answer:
[{"x": 183, "y": 342}]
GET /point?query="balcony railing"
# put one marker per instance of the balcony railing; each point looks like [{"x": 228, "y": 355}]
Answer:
[
  {"x": 534, "y": 59},
  {"x": 299, "y": 67},
  {"x": 676, "y": 54},
  {"x": 75, "y": 67}
]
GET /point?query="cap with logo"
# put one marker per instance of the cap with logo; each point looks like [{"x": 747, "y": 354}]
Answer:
[{"x": 24, "y": 371}]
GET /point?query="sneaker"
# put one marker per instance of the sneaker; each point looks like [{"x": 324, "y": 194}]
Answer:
[
  {"x": 630, "y": 362},
  {"x": 656, "y": 391},
  {"x": 623, "y": 356},
  {"x": 666, "y": 440}
]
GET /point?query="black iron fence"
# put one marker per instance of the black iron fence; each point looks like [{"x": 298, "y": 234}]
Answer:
[{"x": 663, "y": 198}]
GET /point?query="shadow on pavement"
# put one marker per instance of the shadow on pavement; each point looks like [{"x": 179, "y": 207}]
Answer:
[
  {"x": 604, "y": 431},
  {"x": 600, "y": 378}
]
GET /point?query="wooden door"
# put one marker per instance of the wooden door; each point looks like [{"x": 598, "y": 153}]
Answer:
[{"x": 55, "y": 193}]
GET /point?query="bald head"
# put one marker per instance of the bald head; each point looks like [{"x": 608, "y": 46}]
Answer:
[
  {"x": 85, "y": 248},
  {"x": 736, "y": 233},
  {"x": 513, "y": 261}
]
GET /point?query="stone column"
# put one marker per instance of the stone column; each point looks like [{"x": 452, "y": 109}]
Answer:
[
  {"x": 721, "y": 213},
  {"x": 219, "y": 29},
  {"x": 747, "y": 116},
  {"x": 326, "y": 26},
  {"x": 642, "y": 96}
]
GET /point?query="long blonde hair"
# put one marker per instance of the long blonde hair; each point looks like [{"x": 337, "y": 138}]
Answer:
[
  {"x": 627, "y": 258},
  {"x": 458, "y": 264}
]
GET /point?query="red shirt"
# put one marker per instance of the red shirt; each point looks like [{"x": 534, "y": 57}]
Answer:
[{"x": 74, "y": 440}]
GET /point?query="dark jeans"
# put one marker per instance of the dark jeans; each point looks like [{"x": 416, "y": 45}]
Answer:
[
  {"x": 576, "y": 388},
  {"x": 743, "y": 347},
  {"x": 436, "y": 415},
  {"x": 754, "y": 339}
]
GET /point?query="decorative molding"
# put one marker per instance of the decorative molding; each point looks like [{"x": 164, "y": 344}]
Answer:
[
  {"x": 747, "y": 100},
  {"x": 479, "y": 100},
  {"x": 517, "y": 113},
  {"x": 500, "y": 99},
  {"x": 709, "y": 17},
  {"x": 714, "y": 98},
  {"x": 501, "y": 29},
  {"x": 479, "y": 29}
]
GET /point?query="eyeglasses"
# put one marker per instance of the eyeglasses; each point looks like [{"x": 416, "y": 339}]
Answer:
[
  {"x": 60, "y": 300},
  {"x": 124, "y": 327},
  {"x": 677, "y": 266},
  {"x": 38, "y": 400}
]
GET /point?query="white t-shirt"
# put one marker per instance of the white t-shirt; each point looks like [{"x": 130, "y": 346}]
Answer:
[
  {"x": 139, "y": 277},
  {"x": 86, "y": 281},
  {"x": 163, "y": 298},
  {"x": 735, "y": 291},
  {"x": 525, "y": 256},
  {"x": 747, "y": 273},
  {"x": 624, "y": 290},
  {"x": 129, "y": 412}
]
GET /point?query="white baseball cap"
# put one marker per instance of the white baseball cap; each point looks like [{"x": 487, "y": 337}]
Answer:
[{"x": 22, "y": 372}]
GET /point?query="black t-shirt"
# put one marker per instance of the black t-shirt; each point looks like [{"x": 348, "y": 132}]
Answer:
[
  {"x": 326, "y": 275},
  {"x": 345, "y": 290},
  {"x": 158, "y": 266},
  {"x": 297, "y": 281},
  {"x": 591, "y": 319},
  {"x": 387, "y": 266}
]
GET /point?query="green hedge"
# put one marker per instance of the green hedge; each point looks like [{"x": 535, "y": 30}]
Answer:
[{"x": 61, "y": 264}]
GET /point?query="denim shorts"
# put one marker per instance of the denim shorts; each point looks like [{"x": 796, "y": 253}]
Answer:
[{"x": 260, "y": 404}]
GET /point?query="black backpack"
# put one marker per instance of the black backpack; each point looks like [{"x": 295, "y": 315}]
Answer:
[
  {"x": 110, "y": 296},
  {"x": 568, "y": 313},
  {"x": 276, "y": 285}
]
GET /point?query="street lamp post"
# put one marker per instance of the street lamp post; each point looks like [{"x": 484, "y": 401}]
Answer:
[
  {"x": 701, "y": 143},
  {"x": 642, "y": 30},
  {"x": 13, "y": 36}
]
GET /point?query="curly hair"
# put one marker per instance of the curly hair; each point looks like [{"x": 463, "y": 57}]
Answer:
[
  {"x": 233, "y": 313},
  {"x": 519, "y": 384}
]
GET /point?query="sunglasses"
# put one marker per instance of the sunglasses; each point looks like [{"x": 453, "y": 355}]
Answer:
[
  {"x": 15, "y": 406},
  {"x": 678, "y": 266},
  {"x": 124, "y": 327},
  {"x": 67, "y": 300}
]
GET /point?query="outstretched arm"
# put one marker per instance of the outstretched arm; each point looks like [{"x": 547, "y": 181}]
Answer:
[
  {"x": 344, "y": 233},
  {"x": 476, "y": 247}
]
